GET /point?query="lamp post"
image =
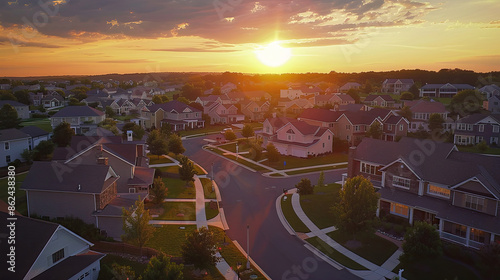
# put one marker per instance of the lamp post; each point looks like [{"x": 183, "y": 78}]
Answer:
[{"x": 248, "y": 246}]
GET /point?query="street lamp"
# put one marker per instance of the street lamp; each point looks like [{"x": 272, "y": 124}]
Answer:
[{"x": 248, "y": 246}]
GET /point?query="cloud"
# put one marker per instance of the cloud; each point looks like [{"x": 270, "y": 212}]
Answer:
[
  {"x": 191, "y": 50},
  {"x": 126, "y": 61},
  {"x": 22, "y": 43}
]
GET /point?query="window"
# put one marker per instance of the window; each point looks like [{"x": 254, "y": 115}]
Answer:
[
  {"x": 323, "y": 145},
  {"x": 356, "y": 128},
  {"x": 389, "y": 126},
  {"x": 348, "y": 126},
  {"x": 481, "y": 128},
  {"x": 401, "y": 182},
  {"x": 58, "y": 256},
  {"x": 369, "y": 168},
  {"x": 494, "y": 140},
  {"x": 7, "y": 158},
  {"x": 476, "y": 235},
  {"x": 496, "y": 128},
  {"x": 401, "y": 127},
  {"x": 435, "y": 190},
  {"x": 479, "y": 139},
  {"x": 470, "y": 127},
  {"x": 328, "y": 137},
  {"x": 474, "y": 202},
  {"x": 460, "y": 230},
  {"x": 7, "y": 146},
  {"x": 399, "y": 209},
  {"x": 348, "y": 137}
]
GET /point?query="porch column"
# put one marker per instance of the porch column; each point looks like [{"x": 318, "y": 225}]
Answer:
[
  {"x": 411, "y": 215},
  {"x": 467, "y": 237},
  {"x": 420, "y": 188},
  {"x": 441, "y": 226},
  {"x": 383, "y": 179},
  {"x": 378, "y": 208},
  {"x": 492, "y": 238}
]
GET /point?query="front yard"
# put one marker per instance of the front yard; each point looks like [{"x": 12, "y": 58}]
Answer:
[
  {"x": 317, "y": 206},
  {"x": 334, "y": 254},
  {"x": 41, "y": 123},
  {"x": 177, "y": 188},
  {"x": 153, "y": 159},
  {"x": 207, "y": 188},
  {"x": 289, "y": 162},
  {"x": 174, "y": 211}
]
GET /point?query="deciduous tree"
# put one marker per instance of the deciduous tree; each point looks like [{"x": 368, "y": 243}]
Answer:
[
  {"x": 200, "y": 249},
  {"x": 186, "y": 170},
  {"x": 158, "y": 191},
  {"x": 435, "y": 122},
  {"x": 304, "y": 187},
  {"x": 175, "y": 144},
  {"x": 273, "y": 155},
  {"x": 406, "y": 113},
  {"x": 62, "y": 134},
  {"x": 137, "y": 131},
  {"x": 9, "y": 117},
  {"x": 422, "y": 241},
  {"x": 157, "y": 143},
  {"x": 247, "y": 131},
  {"x": 406, "y": 95},
  {"x": 136, "y": 227},
  {"x": 160, "y": 268},
  {"x": 43, "y": 150},
  {"x": 375, "y": 131},
  {"x": 321, "y": 179},
  {"x": 466, "y": 102},
  {"x": 229, "y": 135}
]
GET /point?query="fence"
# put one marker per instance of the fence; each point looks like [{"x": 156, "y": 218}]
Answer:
[{"x": 115, "y": 247}]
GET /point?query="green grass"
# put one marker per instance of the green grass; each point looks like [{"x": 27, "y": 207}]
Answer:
[
  {"x": 334, "y": 254},
  {"x": 295, "y": 162},
  {"x": 444, "y": 100},
  {"x": 125, "y": 118},
  {"x": 41, "y": 123},
  {"x": 171, "y": 209},
  {"x": 170, "y": 169},
  {"x": 178, "y": 189},
  {"x": 210, "y": 213},
  {"x": 109, "y": 259},
  {"x": 199, "y": 170},
  {"x": 169, "y": 238},
  {"x": 207, "y": 188},
  {"x": 21, "y": 204},
  {"x": 439, "y": 268},
  {"x": 246, "y": 163},
  {"x": 206, "y": 130},
  {"x": 232, "y": 147},
  {"x": 291, "y": 217},
  {"x": 474, "y": 149},
  {"x": 315, "y": 169},
  {"x": 373, "y": 247},
  {"x": 276, "y": 175},
  {"x": 317, "y": 206},
  {"x": 158, "y": 160}
]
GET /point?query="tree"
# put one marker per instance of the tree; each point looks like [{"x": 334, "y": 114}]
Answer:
[
  {"x": 406, "y": 95},
  {"x": 368, "y": 88},
  {"x": 375, "y": 131},
  {"x": 122, "y": 272},
  {"x": 482, "y": 146},
  {"x": 247, "y": 131},
  {"x": 229, "y": 135},
  {"x": 273, "y": 155},
  {"x": 200, "y": 249},
  {"x": 157, "y": 143},
  {"x": 186, "y": 170},
  {"x": 304, "y": 187},
  {"x": 414, "y": 90},
  {"x": 109, "y": 112},
  {"x": 23, "y": 96},
  {"x": 255, "y": 149},
  {"x": 9, "y": 117},
  {"x": 466, "y": 102},
  {"x": 43, "y": 150},
  {"x": 136, "y": 225},
  {"x": 27, "y": 155},
  {"x": 175, "y": 144},
  {"x": 406, "y": 113},
  {"x": 62, "y": 134},
  {"x": 490, "y": 256},
  {"x": 75, "y": 102},
  {"x": 321, "y": 179},
  {"x": 354, "y": 94},
  {"x": 191, "y": 92},
  {"x": 158, "y": 191},
  {"x": 166, "y": 130},
  {"x": 435, "y": 122},
  {"x": 137, "y": 131},
  {"x": 6, "y": 95},
  {"x": 422, "y": 241},
  {"x": 356, "y": 206},
  {"x": 159, "y": 99},
  {"x": 160, "y": 268},
  {"x": 184, "y": 100}
]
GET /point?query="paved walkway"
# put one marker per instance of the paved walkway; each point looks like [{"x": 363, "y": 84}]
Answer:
[{"x": 374, "y": 271}]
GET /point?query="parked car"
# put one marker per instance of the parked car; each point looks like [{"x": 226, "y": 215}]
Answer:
[{"x": 226, "y": 129}]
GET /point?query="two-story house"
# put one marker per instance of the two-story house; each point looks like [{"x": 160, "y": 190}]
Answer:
[
  {"x": 294, "y": 92},
  {"x": 179, "y": 115},
  {"x": 37, "y": 135},
  {"x": 493, "y": 104},
  {"x": 23, "y": 110},
  {"x": 82, "y": 119},
  {"x": 12, "y": 143},
  {"x": 382, "y": 100},
  {"x": 255, "y": 110},
  {"x": 350, "y": 85},
  {"x": 422, "y": 110},
  {"x": 320, "y": 117},
  {"x": 443, "y": 90},
  {"x": 46, "y": 250},
  {"x": 297, "y": 138},
  {"x": 424, "y": 180},
  {"x": 52, "y": 100},
  {"x": 223, "y": 113},
  {"x": 490, "y": 90},
  {"x": 396, "y": 86},
  {"x": 476, "y": 128},
  {"x": 223, "y": 99}
]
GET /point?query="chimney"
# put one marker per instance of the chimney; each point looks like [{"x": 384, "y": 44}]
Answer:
[
  {"x": 350, "y": 162},
  {"x": 129, "y": 135},
  {"x": 102, "y": 161}
]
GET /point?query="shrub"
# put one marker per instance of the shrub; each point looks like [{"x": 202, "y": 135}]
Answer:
[{"x": 304, "y": 187}]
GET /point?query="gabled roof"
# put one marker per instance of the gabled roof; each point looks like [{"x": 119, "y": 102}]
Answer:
[
  {"x": 478, "y": 118},
  {"x": 78, "y": 111},
  {"x": 33, "y": 131},
  {"x": 385, "y": 97},
  {"x": 303, "y": 127},
  {"x": 278, "y": 122},
  {"x": 70, "y": 266},
  {"x": 351, "y": 107},
  {"x": 366, "y": 117},
  {"x": 323, "y": 115},
  {"x": 424, "y": 106},
  {"x": 12, "y": 134},
  {"x": 448, "y": 85},
  {"x": 173, "y": 105},
  {"x": 490, "y": 88},
  {"x": 12, "y": 103},
  {"x": 404, "y": 81},
  {"x": 395, "y": 119},
  {"x": 73, "y": 178},
  {"x": 80, "y": 143}
]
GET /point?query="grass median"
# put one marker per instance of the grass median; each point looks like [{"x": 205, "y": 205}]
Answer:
[
  {"x": 291, "y": 216},
  {"x": 317, "y": 206},
  {"x": 334, "y": 254}
]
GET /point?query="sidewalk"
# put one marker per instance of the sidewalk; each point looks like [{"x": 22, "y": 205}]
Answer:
[{"x": 374, "y": 271}]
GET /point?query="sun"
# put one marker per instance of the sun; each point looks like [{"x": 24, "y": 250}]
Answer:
[{"x": 273, "y": 55}]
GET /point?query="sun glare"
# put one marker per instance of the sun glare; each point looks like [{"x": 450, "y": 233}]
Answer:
[{"x": 273, "y": 55}]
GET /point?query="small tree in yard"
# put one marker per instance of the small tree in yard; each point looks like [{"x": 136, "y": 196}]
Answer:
[
  {"x": 43, "y": 150},
  {"x": 157, "y": 143},
  {"x": 356, "y": 206},
  {"x": 136, "y": 225},
  {"x": 375, "y": 131},
  {"x": 436, "y": 122},
  {"x": 304, "y": 187},
  {"x": 122, "y": 272},
  {"x": 158, "y": 191},
  {"x": 62, "y": 134},
  {"x": 160, "y": 268},
  {"x": 175, "y": 144},
  {"x": 421, "y": 242},
  {"x": 321, "y": 179},
  {"x": 27, "y": 155},
  {"x": 406, "y": 113},
  {"x": 9, "y": 117},
  {"x": 273, "y": 155},
  {"x": 186, "y": 170},
  {"x": 482, "y": 146},
  {"x": 247, "y": 131},
  {"x": 137, "y": 131},
  {"x": 229, "y": 135},
  {"x": 200, "y": 249}
]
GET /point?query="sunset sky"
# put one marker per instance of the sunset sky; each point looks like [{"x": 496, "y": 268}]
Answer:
[{"x": 85, "y": 37}]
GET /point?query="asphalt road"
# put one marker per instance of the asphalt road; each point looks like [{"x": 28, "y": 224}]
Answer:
[{"x": 248, "y": 198}]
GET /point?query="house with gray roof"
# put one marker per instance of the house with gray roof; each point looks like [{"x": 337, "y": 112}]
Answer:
[
  {"x": 396, "y": 86},
  {"x": 82, "y": 119},
  {"x": 476, "y": 128},
  {"x": 382, "y": 100},
  {"x": 12, "y": 143},
  {"x": 47, "y": 250},
  {"x": 424, "y": 180},
  {"x": 37, "y": 134},
  {"x": 493, "y": 104},
  {"x": 422, "y": 110},
  {"x": 179, "y": 115},
  {"x": 443, "y": 90},
  {"x": 490, "y": 90},
  {"x": 23, "y": 110}
]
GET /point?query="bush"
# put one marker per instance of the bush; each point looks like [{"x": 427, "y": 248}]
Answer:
[
  {"x": 15, "y": 163},
  {"x": 304, "y": 187},
  {"x": 421, "y": 241},
  {"x": 158, "y": 173},
  {"x": 38, "y": 116}
]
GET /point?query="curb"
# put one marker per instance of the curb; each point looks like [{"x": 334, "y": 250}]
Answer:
[
  {"x": 251, "y": 260},
  {"x": 282, "y": 218}
]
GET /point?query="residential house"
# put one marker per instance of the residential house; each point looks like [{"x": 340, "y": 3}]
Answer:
[
  {"x": 82, "y": 119},
  {"x": 5, "y": 86},
  {"x": 256, "y": 95},
  {"x": 255, "y": 110},
  {"x": 350, "y": 85},
  {"x": 421, "y": 112},
  {"x": 12, "y": 143},
  {"x": 179, "y": 115},
  {"x": 476, "y": 128},
  {"x": 490, "y": 90},
  {"x": 52, "y": 100},
  {"x": 493, "y": 104},
  {"x": 332, "y": 100},
  {"x": 396, "y": 86},
  {"x": 382, "y": 100},
  {"x": 236, "y": 96},
  {"x": 320, "y": 117},
  {"x": 443, "y": 90},
  {"x": 37, "y": 135},
  {"x": 120, "y": 106},
  {"x": 296, "y": 138},
  {"x": 221, "y": 113},
  {"x": 23, "y": 110},
  {"x": 140, "y": 103},
  {"x": 424, "y": 180},
  {"x": 46, "y": 250},
  {"x": 227, "y": 88},
  {"x": 296, "y": 106},
  {"x": 223, "y": 99},
  {"x": 36, "y": 98},
  {"x": 294, "y": 92},
  {"x": 353, "y": 107}
]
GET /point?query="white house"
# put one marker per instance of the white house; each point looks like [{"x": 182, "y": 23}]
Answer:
[{"x": 12, "y": 144}]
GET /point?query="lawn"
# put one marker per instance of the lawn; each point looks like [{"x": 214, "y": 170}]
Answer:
[
  {"x": 169, "y": 238},
  {"x": 474, "y": 149},
  {"x": 20, "y": 194},
  {"x": 207, "y": 188},
  {"x": 158, "y": 160},
  {"x": 444, "y": 100},
  {"x": 206, "y": 130},
  {"x": 439, "y": 268},
  {"x": 41, "y": 123},
  {"x": 125, "y": 118},
  {"x": 371, "y": 246},
  {"x": 175, "y": 169},
  {"x": 199, "y": 170},
  {"x": 246, "y": 163},
  {"x": 295, "y": 162},
  {"x": 108, "y": 261},
  {"x": 210, "y": 213},
  {"x": 291, "y": 217},
  {"x": 317, "y": 206},
  {"x": 302, "y": 171},
  {"x": 171, "y": 211},
  {"x": 334, "y": 254},
  {"x": 232, "y": 147},
  {"x": 177, "y": 188}
]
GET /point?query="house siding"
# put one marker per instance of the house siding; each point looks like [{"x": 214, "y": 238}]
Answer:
[
  {"x": 400, "y": 170},
  {"x": 490, "y": 205},
  {"x": 16, "y": 147}
]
